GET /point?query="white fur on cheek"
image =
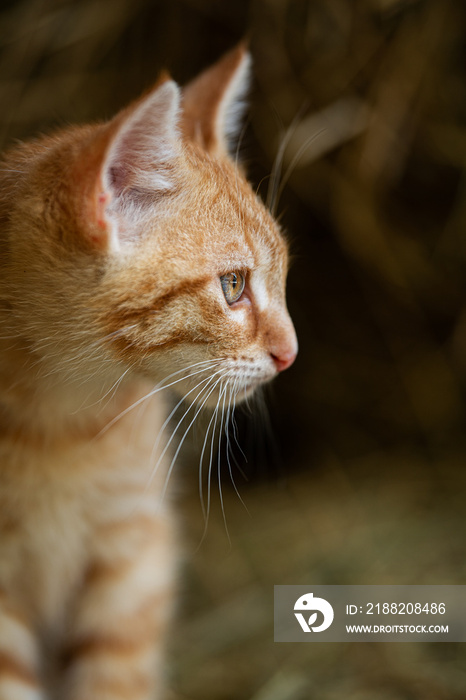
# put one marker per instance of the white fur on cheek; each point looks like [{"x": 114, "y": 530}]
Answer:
[
  {"x": 239, "y": 315},
  {"x": 261, "y": 297}
]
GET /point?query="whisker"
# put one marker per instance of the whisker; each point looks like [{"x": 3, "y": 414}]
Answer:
[
  {"x": 111, "y": 391},
  {"x": 201, "y": 459},
  {"x": 229, "y": 451},
  {"x": 219, "y": 462},
  {"x": 159, "y": 387},
  {"x": 209, "y": 472},
  {"x": 270, "y": 438},
  {"x": 172, "y": 463},
  {"x": 294, "y": 162},
  {"x": 235, "y": 435},
  {"x": 278, "y": 162},
  {"x": 162, "y": 455}
]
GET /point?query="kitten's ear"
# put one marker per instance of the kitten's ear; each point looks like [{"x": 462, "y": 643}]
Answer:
[
  {"x": 136, "y": 152},
  {"x": 214, "y": 103}
]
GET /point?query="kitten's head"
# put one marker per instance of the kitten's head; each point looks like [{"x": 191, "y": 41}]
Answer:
[{"x": 144, "y": 247}]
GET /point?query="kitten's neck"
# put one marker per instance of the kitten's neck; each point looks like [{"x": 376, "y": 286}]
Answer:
[{"x": 38, "y": 408}]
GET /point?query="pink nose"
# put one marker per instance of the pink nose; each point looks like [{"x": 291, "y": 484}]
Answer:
[
  {"x": 284, "y": 360},
  {"x": 280, "y": 339}
]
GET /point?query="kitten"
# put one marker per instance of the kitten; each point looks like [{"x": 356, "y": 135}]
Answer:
[{"x": 133, "y": 255}]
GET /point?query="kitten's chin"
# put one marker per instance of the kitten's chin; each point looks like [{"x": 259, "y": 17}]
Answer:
[{"x": 232, "y": 395}]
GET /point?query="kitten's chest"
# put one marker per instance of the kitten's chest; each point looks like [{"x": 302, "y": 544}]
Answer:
[
  {"x": 56, "y": 544},
  {"x": 54, "y": 506},
  {"x": 44, "y": 529}
]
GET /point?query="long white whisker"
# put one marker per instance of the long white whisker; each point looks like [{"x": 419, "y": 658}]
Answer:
[
  {"x": 201, "y": 459},
  {"x": 164, "y": 451},
  {"x": 231, "y": 408},
  {"x": 209, "y": 472},
  {"x": 293, "y": 164},
  {"x": 235, "y": 431},
  {"x": 278, "y": 162},
  {"x": 157, "y": 388},
  {"x": 172, "y": 463},
  {"x": 111, "y": 391},
  {"x": 219, "y": 461}
]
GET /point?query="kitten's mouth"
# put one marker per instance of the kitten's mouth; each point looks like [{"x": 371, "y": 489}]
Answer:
[
  {"x": 223, "y": 384},
  {"x": 233, "y": 392}
]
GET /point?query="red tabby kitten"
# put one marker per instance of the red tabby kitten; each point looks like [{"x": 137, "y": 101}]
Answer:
[{"x": 133, "y": 256}]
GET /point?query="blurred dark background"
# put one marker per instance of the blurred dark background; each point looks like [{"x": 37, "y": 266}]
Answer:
[{"x": 359, "y": 478}]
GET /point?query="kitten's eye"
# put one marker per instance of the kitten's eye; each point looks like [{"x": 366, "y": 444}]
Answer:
[{"x": 233, "y": 286}]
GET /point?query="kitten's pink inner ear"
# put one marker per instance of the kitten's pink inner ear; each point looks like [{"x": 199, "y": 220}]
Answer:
[{"x": 213, "y": 103}]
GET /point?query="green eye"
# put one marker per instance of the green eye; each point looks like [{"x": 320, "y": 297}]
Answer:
[{"x": 233, "y": 286}]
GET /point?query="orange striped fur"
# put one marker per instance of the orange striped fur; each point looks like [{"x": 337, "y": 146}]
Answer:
[{"x": 114, "y": 243}]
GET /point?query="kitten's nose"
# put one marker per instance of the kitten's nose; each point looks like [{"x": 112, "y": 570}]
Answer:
[
  {"x": 283, "y": 345},
  {"x": 283, "y": 361}
]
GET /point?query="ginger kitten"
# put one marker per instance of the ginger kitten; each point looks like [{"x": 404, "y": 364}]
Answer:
[{"x": 133, "y": 256}]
